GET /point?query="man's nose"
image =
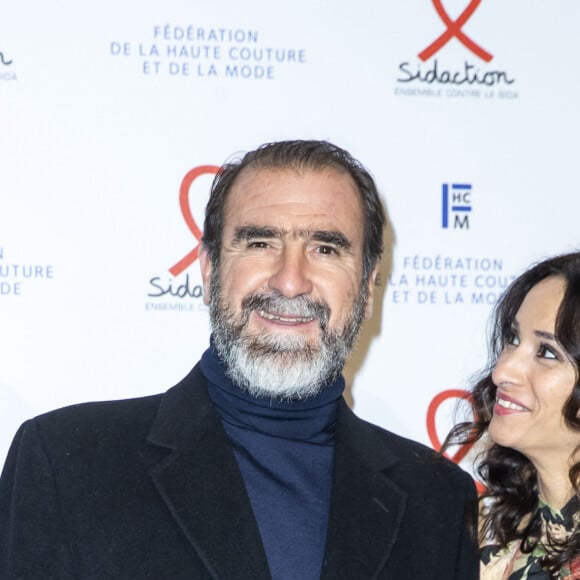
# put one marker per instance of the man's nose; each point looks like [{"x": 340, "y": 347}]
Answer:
[{"x": 292, "y": 274}]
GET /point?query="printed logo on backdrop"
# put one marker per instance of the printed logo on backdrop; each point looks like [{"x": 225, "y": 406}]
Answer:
[
  {"x": 448, "y": 280},
  {"x": 7, "y": 67},
  {"x": 454, "y": 64},
  {"x": 178, "y": 289},
  {"x": 204, "y": 52},
  {"x": 460, "y": 452},
  {"x": 432, "y": 279},
  {"x": 456, "y": 205},
  {"x": 16, "y": 277}
]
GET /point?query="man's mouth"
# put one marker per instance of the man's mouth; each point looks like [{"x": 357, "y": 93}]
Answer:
[{"x": 285, "y": 319}]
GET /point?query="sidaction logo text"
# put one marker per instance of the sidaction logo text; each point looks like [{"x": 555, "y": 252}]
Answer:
[
  {"x": 429, "y": 72},
  {"x": 469, "y": 75},
  {"x": 179, "y": 291}
]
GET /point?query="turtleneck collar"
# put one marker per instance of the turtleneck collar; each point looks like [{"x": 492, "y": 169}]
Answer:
[{"x": 311, "y": 419}]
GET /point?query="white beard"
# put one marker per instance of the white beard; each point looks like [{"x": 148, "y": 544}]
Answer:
[
  {"x": 281, "y": 367},
  {"x": 291, "y": 370}
]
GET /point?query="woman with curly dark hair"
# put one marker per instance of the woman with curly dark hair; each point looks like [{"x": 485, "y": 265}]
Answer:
[{"x": 528, "y": 403}]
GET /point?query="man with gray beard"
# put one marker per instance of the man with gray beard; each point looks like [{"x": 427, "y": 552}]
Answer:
[{"x": 253, "y": 466}]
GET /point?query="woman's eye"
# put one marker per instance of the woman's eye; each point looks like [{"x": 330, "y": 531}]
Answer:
[
  {"x": 546, "y": 352},
  {"x": 513, "y": 338}
]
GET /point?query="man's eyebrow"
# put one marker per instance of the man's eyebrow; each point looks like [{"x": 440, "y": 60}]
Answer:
[
  {"x": 252, "y": 232},
  {"x": 335, "y": 238}
]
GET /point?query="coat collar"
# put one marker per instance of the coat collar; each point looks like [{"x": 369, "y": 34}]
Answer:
[
  {"x": 202, "y": 485},
  {"x": 366, "y": 508},
  {"x": 205, "y": 493}
]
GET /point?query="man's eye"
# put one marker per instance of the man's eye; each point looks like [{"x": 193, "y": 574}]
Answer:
[
  {"x": 259, "y": 244},
  {"x": 327, "y": 250}
]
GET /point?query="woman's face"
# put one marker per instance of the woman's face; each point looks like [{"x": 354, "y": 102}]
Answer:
[{"x": 534, "y": 378}]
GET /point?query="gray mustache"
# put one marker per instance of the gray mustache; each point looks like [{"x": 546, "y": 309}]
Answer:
[{"x": 276, "y": 302}]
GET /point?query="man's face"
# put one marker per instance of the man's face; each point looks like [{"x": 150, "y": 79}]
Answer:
[{"x": 288, "y": 299}]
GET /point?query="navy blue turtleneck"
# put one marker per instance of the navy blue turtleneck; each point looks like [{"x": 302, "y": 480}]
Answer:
[{"x": 285, "y": 452}]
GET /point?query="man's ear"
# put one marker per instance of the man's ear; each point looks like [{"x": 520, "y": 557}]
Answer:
[
  {"x": 371, "y": 289},
  {"x": 206, "y": 267}
]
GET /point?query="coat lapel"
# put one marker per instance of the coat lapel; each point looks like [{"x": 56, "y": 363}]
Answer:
[
  {"x": 202, "y": 485},
  {"x": 366, "y": 507}
]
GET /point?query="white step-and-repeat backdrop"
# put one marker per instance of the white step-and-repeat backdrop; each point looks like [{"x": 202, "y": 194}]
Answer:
[{"x": 114, "y": 116}]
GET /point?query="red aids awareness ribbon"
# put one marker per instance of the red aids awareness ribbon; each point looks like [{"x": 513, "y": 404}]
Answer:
[
  {"x": 432, "y": 430},
  {"x": 189, "y": 178},
  {"x": 454, "y": 30}
]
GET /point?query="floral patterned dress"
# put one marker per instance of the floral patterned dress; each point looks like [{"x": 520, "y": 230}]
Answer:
[{"x": 509, "y": 563}]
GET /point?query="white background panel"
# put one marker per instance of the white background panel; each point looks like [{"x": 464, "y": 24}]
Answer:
[{"x": 95, "y": 148}]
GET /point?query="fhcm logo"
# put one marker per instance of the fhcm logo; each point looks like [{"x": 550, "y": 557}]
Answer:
[{"x": 455, "y": 205}]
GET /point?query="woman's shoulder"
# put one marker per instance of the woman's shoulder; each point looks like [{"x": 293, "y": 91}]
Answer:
[{"x": 509, "y": 561}]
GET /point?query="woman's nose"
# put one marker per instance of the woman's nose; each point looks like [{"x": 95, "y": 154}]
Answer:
[{"x": 510, "y": 367}]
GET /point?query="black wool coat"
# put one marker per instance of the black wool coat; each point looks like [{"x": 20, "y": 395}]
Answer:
[{"x": 149, "y": 489}]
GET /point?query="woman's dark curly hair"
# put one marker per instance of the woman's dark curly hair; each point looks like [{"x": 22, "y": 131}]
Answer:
[{"x": 511, "y": 497}]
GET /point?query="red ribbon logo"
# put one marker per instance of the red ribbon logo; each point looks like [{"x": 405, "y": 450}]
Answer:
[
  {"x": 432, "y": 430},
  {"x": 189, "y": 178},
  {"x": 454, "y": 31}
]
